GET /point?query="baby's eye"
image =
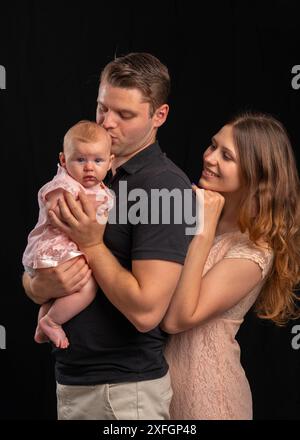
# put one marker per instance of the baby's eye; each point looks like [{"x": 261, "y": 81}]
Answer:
[
  {"x": 98, "y": 160},
  {"x": 80, "y": 159}
]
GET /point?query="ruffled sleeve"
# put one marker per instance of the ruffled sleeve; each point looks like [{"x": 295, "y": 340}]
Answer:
[
  {"x": 62, "y": 180},
  {"x": 244, "y": 248}
]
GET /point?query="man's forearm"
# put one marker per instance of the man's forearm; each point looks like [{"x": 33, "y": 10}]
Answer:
[
  {"x": 28, "y": 289},
  {"x": 119, "y": 285}
]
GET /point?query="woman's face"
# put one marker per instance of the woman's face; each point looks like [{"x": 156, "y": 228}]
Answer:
[{"x": 221, "y": 170}]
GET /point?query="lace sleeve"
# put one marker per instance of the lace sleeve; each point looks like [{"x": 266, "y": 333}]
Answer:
[{"x": 248, "y": 250}]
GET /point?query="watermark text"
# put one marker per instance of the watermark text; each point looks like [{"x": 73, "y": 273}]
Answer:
[
  {"x": 157, "y": 206},
  {"x": 2, "y": 338},
  {"x": 296, "y": 339},
  {"x": 296, "y": 78},
  {"x": 2, "y": 77}
]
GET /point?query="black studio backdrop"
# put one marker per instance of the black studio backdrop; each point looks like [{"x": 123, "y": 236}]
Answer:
[{"x": 223, "y": 56}]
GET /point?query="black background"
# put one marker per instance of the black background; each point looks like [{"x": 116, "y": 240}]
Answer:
[{"x": 223, "y": 56}]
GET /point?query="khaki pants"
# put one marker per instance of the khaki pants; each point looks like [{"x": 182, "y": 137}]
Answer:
[{"x": 145, "y": 400}]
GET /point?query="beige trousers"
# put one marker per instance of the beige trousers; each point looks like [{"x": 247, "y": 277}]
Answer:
[{"x": 145, "y": 400}]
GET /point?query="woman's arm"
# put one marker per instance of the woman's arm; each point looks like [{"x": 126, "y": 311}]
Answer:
[{"x": 197, "y": 299}]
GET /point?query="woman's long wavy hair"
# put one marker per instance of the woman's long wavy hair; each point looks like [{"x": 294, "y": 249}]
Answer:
[{"x": 271, "y": 185}]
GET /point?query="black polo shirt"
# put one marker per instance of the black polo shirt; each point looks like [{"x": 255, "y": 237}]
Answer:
[{"x": 104, "y": 346}]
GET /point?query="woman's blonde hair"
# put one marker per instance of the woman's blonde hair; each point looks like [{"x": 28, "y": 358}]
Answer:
[{"x": 270, "y": 179}]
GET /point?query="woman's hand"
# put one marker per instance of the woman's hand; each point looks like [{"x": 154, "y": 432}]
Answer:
[
  {"x": 210, "y": 205},
  {"x": 78, "y": 220}
]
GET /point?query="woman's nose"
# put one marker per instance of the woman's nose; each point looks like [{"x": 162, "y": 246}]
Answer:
[{"x": 211, "y": 157}]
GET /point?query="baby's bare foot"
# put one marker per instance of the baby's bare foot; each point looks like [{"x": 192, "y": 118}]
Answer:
[
  {"x": 54, "y": 332},
  {"x": 40, "y": 336}
]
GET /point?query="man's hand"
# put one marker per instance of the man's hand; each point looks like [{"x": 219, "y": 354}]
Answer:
[
  {"x": 78, "y": 221},
  {"x": 65, "y": 279}
]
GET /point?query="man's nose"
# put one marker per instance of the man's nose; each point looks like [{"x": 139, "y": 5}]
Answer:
[{"x": 108, "y": 120}]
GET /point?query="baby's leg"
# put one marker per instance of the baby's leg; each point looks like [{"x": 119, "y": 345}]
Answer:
[
  {"x": 40, "y": 336},
  {"x": 63, "y": 309}
]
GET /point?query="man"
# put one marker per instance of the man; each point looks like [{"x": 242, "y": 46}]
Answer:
[{"x": 114, "y": 367}]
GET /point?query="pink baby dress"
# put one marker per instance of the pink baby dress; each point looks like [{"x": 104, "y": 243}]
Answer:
[
  {"x": 48, "y": 246},
  {"x": 207, "y": 377}
]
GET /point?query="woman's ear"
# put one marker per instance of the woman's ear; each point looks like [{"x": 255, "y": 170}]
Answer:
[{"x": 160, "y": 115}]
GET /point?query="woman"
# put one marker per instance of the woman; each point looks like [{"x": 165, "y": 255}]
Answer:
[{"x": 247, "y": 252}]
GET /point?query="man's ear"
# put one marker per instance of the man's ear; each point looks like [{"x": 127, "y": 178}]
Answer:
[
  {"x": 62, "y": 159},
  {"x": 160, "y": 115}
]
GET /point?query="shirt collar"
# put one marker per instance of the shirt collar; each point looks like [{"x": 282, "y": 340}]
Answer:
[{"x": 140, "y": 160}]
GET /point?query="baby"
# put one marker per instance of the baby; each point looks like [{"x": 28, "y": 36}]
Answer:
[{"x": 84, "y": 163}]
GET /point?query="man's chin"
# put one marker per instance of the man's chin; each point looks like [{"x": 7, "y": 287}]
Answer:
[{"x": 115, "y": 149}]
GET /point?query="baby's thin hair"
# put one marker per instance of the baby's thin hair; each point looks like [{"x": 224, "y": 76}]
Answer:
[{"x": 86, "y": 131}]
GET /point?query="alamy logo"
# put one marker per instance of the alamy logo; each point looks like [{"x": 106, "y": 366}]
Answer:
[
  {"x": 2, "y": 338},
  {"x": 296, "y": 78},
  {"x": 160, "y": 206},
  {"x": 296, "y": 339},
  {"x": 2, "y": 78}
]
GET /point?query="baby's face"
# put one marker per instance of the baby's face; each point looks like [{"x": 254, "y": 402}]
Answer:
[{"x": 87, "y": 163}]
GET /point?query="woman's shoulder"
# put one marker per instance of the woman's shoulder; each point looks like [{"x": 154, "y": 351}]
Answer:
[{"x": 241, "y": 246}]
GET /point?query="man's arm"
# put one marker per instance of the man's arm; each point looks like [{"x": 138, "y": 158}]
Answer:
[
  {"x": 142, "y": 296},
  {"x": 26, "y": 280},
  {"x": 65, "y": 279}
]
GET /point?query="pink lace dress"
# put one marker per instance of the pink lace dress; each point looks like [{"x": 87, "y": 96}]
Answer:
[
  {"x": 48, "y": 246},
  {"x": 207, "y": 377}
]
